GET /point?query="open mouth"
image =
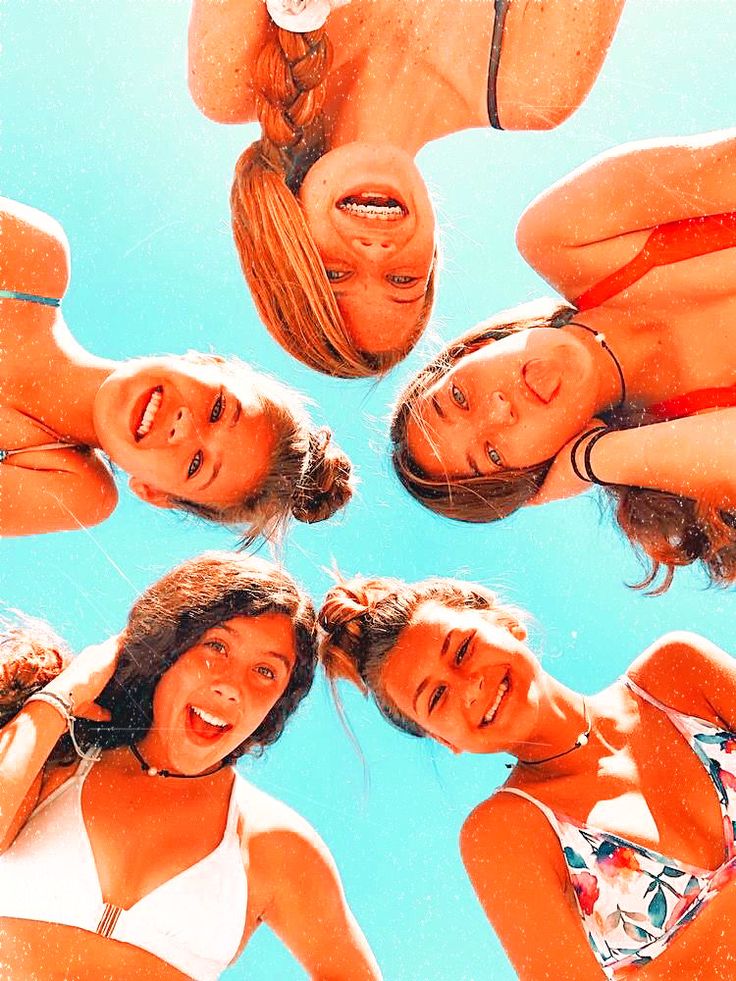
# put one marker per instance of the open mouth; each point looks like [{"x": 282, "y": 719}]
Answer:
[
  {"x": 206, "y": 724},
  {"x": 492, "y": 710},
  {"x": 146, "y": 411},
  {"x": 373, "y": 206},
  {"x": 542, "y": 379}
]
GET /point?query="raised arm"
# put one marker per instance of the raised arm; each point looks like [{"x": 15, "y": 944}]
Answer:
[
  {"x": 28, "y": 739},
  {"x": 551, "y": 54},
  {"x": 225, "y": 37},
  {"x": 308, "y": 909},
  {"x": 596, "y": 219}
]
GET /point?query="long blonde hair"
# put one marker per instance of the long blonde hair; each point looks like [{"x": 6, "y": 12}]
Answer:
[{"x": 278, "y": 255}]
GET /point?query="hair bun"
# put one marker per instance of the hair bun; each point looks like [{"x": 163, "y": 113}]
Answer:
[{"x": 326, "y": 484}]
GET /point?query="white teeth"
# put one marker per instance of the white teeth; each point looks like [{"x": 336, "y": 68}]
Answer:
[
  {"x": 210, "y": 719},
  {"x": 502, "y": 689},
  {"x": 149, "y": 414},
  {"x": 383, "y": 212}
]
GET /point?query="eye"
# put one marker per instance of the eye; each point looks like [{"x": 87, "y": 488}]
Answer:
[
  {"x": 218, "y": 408},
  {"x": 435, "y": 698},
  {"x": 458, "y": 396},
  {"x": 337, "y": 275},
  {"x": 195, "y": 465},
  {"x": 462, "y": 651},
  {"x": 493, "y": 455},
  {"x": 397, "y": 280},
  {"x": 217, "y": 646},
  {"x": 266, "y": 672}
]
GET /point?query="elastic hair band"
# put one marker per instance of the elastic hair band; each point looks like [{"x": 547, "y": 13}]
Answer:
[{"x": 592, "y": 435}]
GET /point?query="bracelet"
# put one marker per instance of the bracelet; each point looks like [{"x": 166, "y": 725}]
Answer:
[
  {"x": 64, "y": 705},
  {"x": 588, "y": 475}
]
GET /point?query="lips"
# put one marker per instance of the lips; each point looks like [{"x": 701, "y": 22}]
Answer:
[
  {"x": 145, "y": 411},
  {"x": 205, "y": 725},
  {"x": 493, "y": 709},
  {"x": 542, "y": 379},
  {"x": 373, "y": 206}
]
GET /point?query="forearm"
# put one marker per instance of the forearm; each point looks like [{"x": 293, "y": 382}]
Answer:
[
  {"x": 551, "y": 55},
  {"x": 25, "y": 745}
]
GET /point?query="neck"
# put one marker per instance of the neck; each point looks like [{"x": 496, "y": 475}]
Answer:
[
  {"x": 563, "y": 716},
  {"x": 608, "y": 366}
]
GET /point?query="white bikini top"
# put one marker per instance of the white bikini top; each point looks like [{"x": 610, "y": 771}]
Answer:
[{"x": 193, "y": 921}]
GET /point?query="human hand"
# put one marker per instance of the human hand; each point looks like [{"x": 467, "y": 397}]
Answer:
[{"x": 86, "y": 676}]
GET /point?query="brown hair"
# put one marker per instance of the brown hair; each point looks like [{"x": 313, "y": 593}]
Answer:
[
  {"x": 361, "y": 619},
  {"x": 309, "y": 476},
  {"x": 666, "y": 530},
  {"x": 168, "y": 619},
  {"x": 277, "y": 253}
]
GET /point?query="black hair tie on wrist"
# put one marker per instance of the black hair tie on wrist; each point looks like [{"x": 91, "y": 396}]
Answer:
[{"x": 588, "y": 476}]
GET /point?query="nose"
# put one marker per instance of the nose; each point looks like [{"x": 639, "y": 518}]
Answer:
[
  {"x": 473, "y": 689},
  {"x": 500, "y": 410},
  {"x": 226, "y": 691},
  {"x": 182, "y": 425},
  {"x": 373, "y": 249}
]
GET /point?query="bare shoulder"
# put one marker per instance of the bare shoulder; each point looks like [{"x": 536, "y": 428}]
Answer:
[
  {"x": 269, "y": 824},
  {"x": 689, "y": 673},
  {"x": 34, "y": 257}
]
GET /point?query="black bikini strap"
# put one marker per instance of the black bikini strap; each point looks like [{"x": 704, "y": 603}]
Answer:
[{"x": 501, "y": 8}]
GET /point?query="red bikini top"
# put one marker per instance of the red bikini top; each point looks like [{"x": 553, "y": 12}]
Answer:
[{"x": 672, "y": 242}]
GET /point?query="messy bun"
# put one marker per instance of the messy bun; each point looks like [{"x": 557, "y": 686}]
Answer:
[
  {"x": 31, "y": 655},
  {"x": 326, "y": 484},
  {"x": 361, "y": 619}
]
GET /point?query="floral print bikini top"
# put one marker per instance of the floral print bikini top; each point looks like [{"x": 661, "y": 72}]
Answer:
[{"x": 633, "y": 901}]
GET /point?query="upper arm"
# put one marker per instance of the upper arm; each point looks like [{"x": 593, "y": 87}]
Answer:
[
  {"x": 515, "y": 864},
  {"x": 34, "y": 257},
  {"x": 78, "y": 492},
  {"x": 551, "y": 55},
  {"x": 225, "y": 37},
  {"x": 597, "y": 218},
  {"x": 23, "y": 813},
  {"x": 691, "y": 674},
  {"x": 308, "y": 909}
]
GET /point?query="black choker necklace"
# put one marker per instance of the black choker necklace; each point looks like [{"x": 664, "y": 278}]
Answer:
[
  {"x": 601, "y": 339},
  {"x": 153, "y": 771},
  {"x": 580, "y": 741}
]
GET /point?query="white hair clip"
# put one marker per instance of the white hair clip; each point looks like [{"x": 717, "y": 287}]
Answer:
[{"x": 301, "y": 16}]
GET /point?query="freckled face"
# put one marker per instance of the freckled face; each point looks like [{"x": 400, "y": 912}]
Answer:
[
  {"x": 219, "y": 691},
  {"x": 512, "y": 403},
  {"x": 465, "y": 678},
  {"x": 369, "y": 212},
  {"x": 187, "y": 430}
]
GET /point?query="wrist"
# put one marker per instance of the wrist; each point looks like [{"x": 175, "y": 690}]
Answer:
[
  {"x": 58, "y": 699},
  {"x": 581, "y": 453},
  {"x": 51, "y": 713}
]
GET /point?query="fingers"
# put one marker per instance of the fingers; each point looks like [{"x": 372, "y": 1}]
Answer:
[{"x": 93, "y": 713}]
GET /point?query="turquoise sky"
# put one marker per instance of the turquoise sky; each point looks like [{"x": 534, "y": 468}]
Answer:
[{"x": 99, "y": 131}]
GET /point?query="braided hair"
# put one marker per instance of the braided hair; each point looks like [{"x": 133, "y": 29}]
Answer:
[{"x": 278, "y": 255}]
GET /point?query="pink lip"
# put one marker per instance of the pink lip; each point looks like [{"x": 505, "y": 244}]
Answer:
[
  {"x": 139, "y": 407},
  {"x": 197, "y": 731},
  {"x": 542, "y": 380}
]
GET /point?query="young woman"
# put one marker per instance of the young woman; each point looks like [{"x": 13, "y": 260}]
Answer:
[
  {"x": 641, "y": 243},
  {"x": 195, "y": 432},
  {"x": 150, "y": 858},
  {"x": 332, "y": 220},
  {"x": 570, "y": 857}
]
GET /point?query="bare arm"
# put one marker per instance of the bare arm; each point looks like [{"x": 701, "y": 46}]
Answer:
[
  {"x": 308, "y": 909},
  {"x": 34, "y": 252},
  {"x": 225, "y": 37},
  {"x": 76, "y": 491},
  {"x": 551, "y": 55},
  {"x": 597, "y": 218}
]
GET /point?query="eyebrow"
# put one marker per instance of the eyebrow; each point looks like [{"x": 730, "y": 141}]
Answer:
[
  {"x": 282, "y": 657},
  {"x": 475, "y": 469},
  {"x": 422, "y": 685},
  {"x": 395, "y": 299},
  {"x": 215, "y": 470},
  {"x": 437, "y": 407},
  {"x": 236, "y": 414}
]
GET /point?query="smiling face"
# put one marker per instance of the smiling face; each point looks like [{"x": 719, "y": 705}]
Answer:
[
  {"x": 513, "y": 403},
  {"x": 466, "y": 677},
  {"x": 219, "y": 692},
  {"x": 184, "y": 429},
  {"x": 372, "y": 221}
]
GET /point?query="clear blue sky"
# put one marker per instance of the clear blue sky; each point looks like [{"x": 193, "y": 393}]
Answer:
[{"x": 99, "y": 131}]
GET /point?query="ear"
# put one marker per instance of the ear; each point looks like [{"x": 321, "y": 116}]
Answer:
[
  {"x": 518, "y": 630},
  {"x": 562, "y": 481},
  {"x": 151, "y": 495}
]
